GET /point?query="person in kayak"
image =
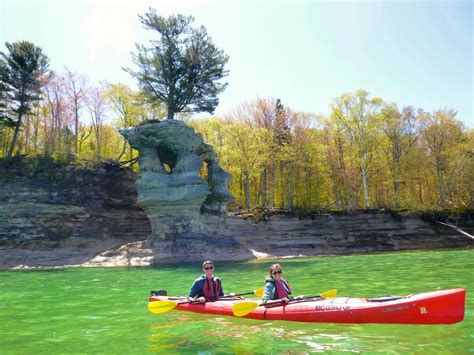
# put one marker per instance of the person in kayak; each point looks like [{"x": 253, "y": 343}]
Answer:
[
  {"x": 207, "y": 287},
  {"x": 276, "y": 288}
]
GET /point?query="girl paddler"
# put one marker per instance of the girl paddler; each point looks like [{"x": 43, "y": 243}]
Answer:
[
  {"x": 276, "y": 288},
  {"x": 207, "y": 287}
]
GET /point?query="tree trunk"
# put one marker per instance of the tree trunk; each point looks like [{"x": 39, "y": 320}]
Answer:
[
  {"x": 36, "y": 131},
  {"x": 272, "y": 182},
  {"x": 307, "y": 197},
  {"x": 396, "y": 184},
  {"x": 124, "y": 148},
  {"x": 289, "y": 191},
  {"x": 263, "y": 186},
  {"x": 342, "y": 165},
  {"x": 396, "y": 189},
  {"x": 363, "y": 173},
  {"x": 332, "y": 165},
  {"x": 282, "y": 186},
  {"x": 247, "y": 189},
  {"x": 15, "y": 137},
  {"x": 442, "y": 198},
  {"x": 27, "y": 135},
  {"x": 170, "y": 114},
  {"x": 60, "y": 133},
  {"x": 76, "y": 128},
  {"x": 296, "y": 175},
  {"x": 241, "y": 187},
  {"x": 98, "y": 142}
]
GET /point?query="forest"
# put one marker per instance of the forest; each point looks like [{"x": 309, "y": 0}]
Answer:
[{"x": 367, "y": 153}]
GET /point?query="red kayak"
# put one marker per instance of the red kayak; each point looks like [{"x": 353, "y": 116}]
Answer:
[{"x": 435, "y": 307}]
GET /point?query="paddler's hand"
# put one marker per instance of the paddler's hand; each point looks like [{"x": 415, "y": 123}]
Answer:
[
  {"x": 285, "y": 300},
  {"x": 231, "y": 294},
  {"x": 201, "y": 300}
]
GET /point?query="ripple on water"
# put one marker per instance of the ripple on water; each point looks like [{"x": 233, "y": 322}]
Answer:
[{"x": 104, "y": 310}]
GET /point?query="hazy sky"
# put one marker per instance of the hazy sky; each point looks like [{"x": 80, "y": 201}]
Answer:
[{"x": 304, "y": 52}]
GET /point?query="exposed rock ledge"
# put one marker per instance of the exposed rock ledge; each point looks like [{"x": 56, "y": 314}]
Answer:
[
  {"x": 237, "y": 239},
  {"x": 62, "y": 216}
]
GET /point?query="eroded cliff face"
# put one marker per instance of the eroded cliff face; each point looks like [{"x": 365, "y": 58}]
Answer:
[
  {"x": 63, "y": 214},
  {"x": 54, "y": 215}
]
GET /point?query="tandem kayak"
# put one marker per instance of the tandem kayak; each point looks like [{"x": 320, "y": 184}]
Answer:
[{"x": 434, "y": 307}]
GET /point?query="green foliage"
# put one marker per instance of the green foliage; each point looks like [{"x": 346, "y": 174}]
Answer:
[
  {"x": 366, "y": 153},
  {"x": 22, "y": 70},
  {"x": 182, "y": 68}
]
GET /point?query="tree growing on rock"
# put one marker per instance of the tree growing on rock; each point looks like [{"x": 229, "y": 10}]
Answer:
[
  {"x": 22, "y": 72},
  {"x": 182, "y": 68}
]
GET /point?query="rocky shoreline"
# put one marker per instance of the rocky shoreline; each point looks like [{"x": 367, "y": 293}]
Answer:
[
  {"x": 62, "y": 216},
  {"x": 233, "y": 238}
]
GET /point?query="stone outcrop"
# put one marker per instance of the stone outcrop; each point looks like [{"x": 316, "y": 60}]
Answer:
[
  {"x": 170, "y": 189},
  {"x": 60, "y": 215},
  {"x": 53, "y": 214}
]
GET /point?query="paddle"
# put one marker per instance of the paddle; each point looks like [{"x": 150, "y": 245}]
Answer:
[
  {"x": 244, "y": 308},
  {"x": 158, "y": 307},
  {"x": 258, "y": 292}
]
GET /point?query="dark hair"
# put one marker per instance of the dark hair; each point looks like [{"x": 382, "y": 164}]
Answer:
[
  {"x": 207, "y": 262},
  {"x": 274, "y": 266}
]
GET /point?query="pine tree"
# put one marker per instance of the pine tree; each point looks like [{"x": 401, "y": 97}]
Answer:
[
  {"x": 182, "y": 68},
  {"x": 21, "y": 72}
]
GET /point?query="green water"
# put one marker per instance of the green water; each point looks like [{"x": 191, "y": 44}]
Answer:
[{"x": 104, "y": 310}]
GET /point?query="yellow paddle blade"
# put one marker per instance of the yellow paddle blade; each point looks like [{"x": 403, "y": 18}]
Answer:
[
  {"x": 243, "y": 308},
  {"x": 159, "y": 307},
  {"x": 329, "y": 294},
  {"x": 258, "y": 292}
]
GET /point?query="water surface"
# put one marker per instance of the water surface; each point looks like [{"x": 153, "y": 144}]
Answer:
[{"x": 104, "y": 310}]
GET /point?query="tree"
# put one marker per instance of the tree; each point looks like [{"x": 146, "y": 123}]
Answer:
[
  {"x": 246, "y": 148},
  {"x": 75, "y": 89},
  {"x": 22, "y": 71},
  {"x": 441, "y": 134},
  {"x": 124, "y": 103},
  {"x": 401, "y": 132},
  {"x": 5, "y": 98},
  {"x": 97, "y": 108},
  {"x": 57, "y": 111},
  {"x": 357, "y": 114},
  {"x": 270, "y": 115},
  {"x": 182, "y": 68}
]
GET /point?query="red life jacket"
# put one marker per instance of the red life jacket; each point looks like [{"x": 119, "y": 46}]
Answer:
[
  {"x": 212, "y": 288},
  {"x": 282, "y": 289}
]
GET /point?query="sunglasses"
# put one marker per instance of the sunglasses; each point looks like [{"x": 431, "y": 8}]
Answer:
[
  {"x": 277, "y": 272},
  {"x": 209, "y": 268}
]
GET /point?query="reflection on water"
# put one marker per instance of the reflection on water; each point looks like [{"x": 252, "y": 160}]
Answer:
[{"x": 218, "y": 334}]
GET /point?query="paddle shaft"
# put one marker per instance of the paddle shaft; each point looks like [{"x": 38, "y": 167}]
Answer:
[
  {"x": 290, "y": 300},
  {"x": 258, "y": 292},
  {"x": 238, "y": 294},
  {"x": 194, "y": 301},
  {"x": 244, "y": 308}
]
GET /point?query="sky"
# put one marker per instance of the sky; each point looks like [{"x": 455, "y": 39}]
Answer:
[{"x": 306, "y": 53}]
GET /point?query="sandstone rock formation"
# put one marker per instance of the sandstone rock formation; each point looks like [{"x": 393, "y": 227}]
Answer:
[
  {"x": 54, "y": 214},
  {"x": 170, "y": 189},
  {"x": 62, "y": 215}
]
